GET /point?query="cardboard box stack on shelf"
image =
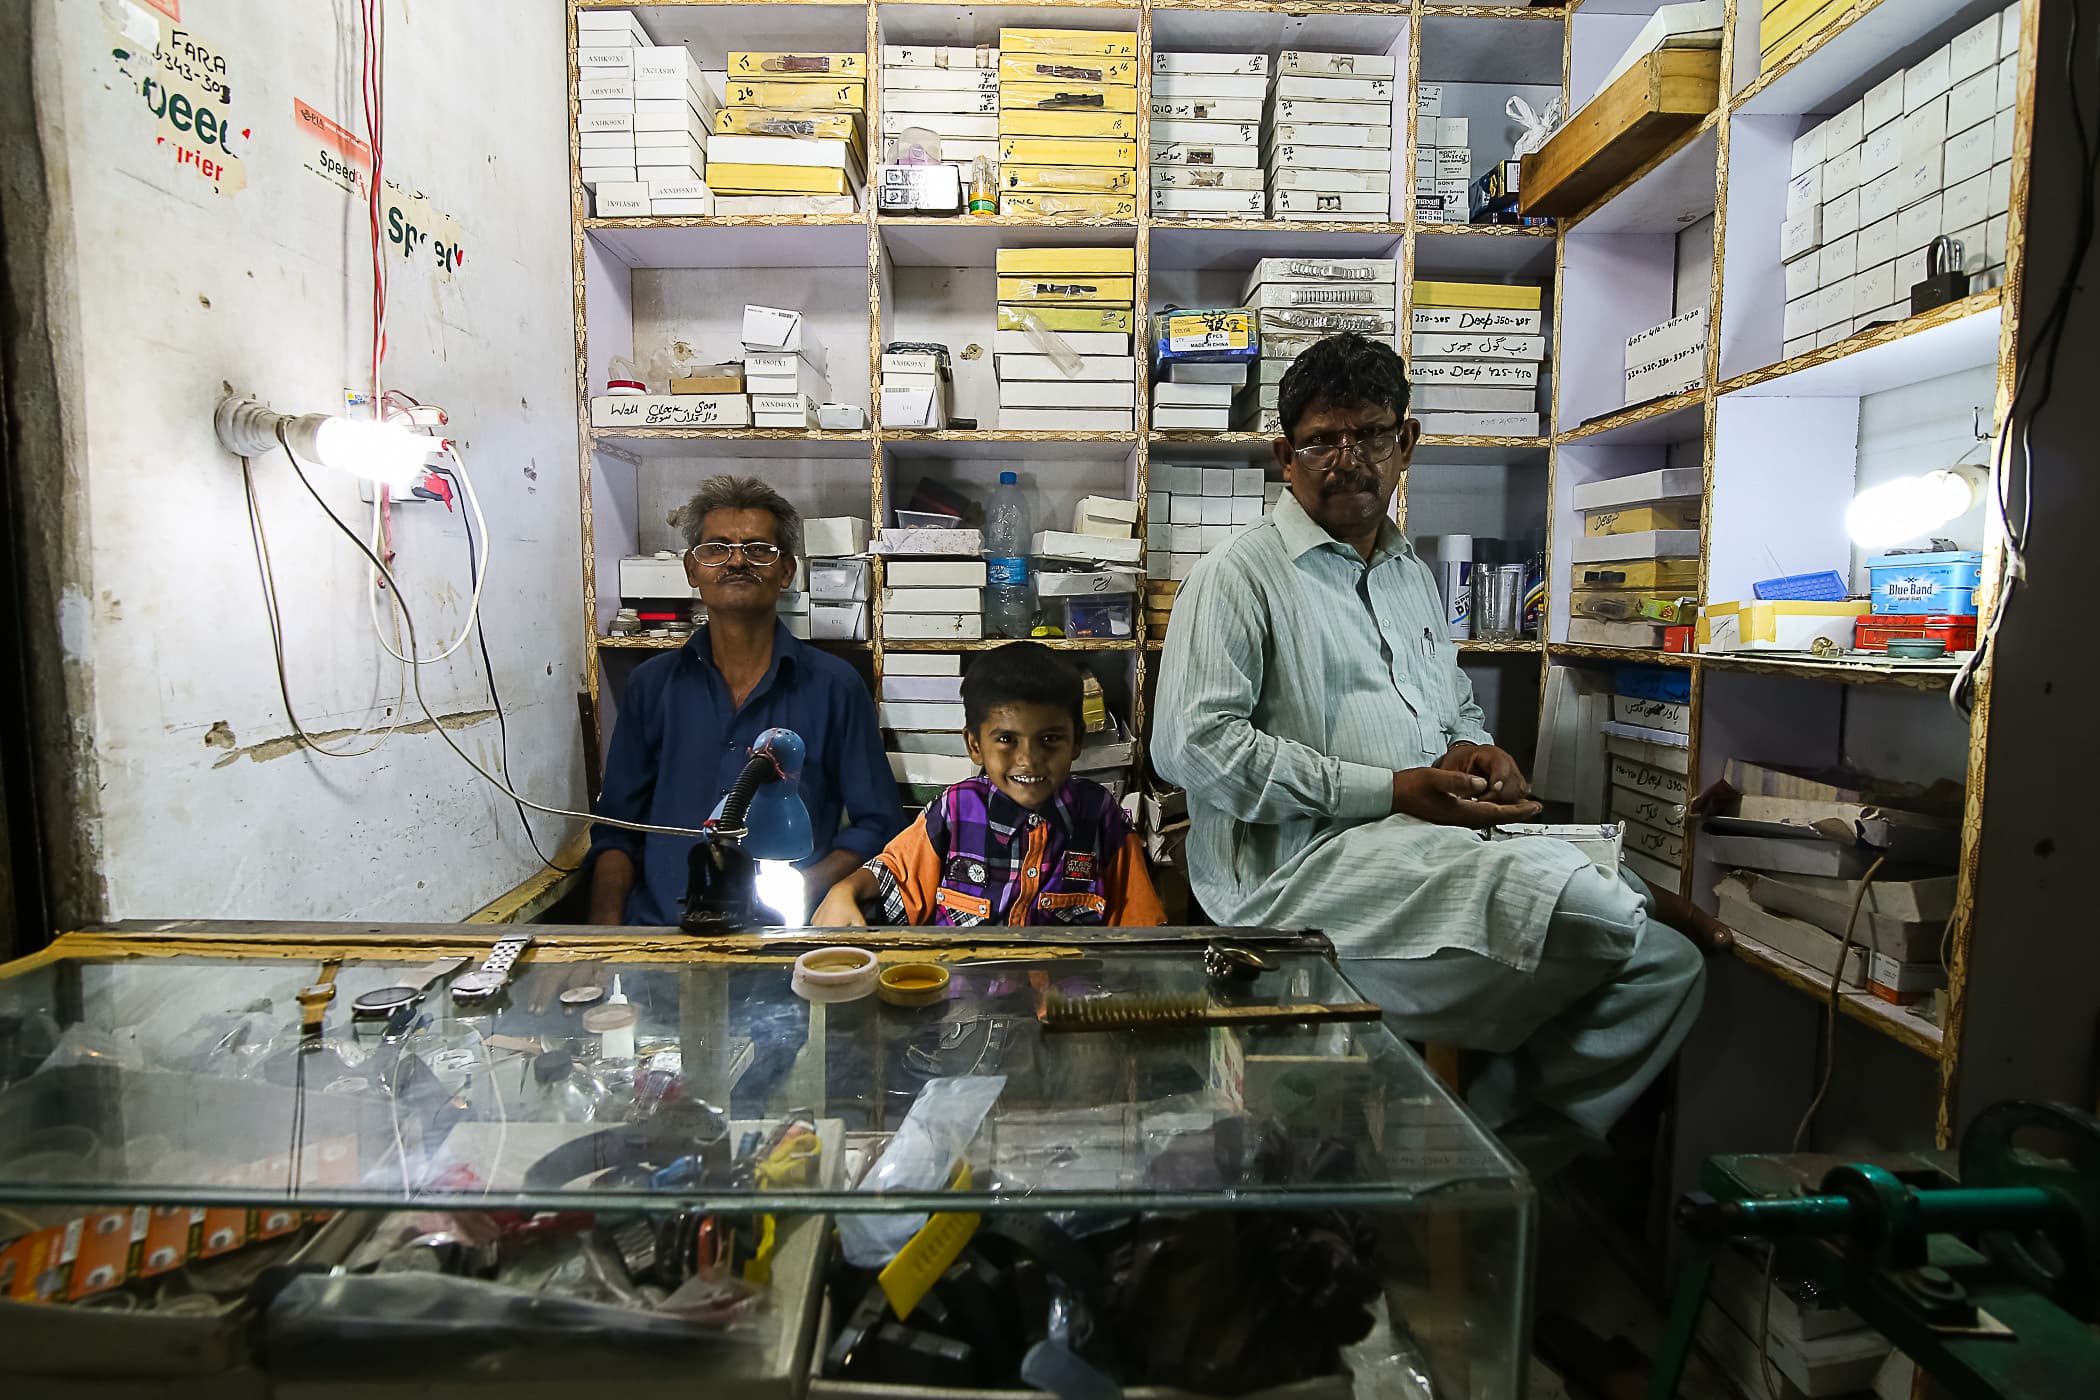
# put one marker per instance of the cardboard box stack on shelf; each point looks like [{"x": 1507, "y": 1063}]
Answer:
[
  {"x": 1191, "y": 510},
  {"x": 1107, "y": 751},
  {"x": 1476, "y": 352},
  {"x": 921, "y": 710},
  {"x": 950, "y": 93},
  {"x": 764, "y": 92},
  {"x": 783, "y": 369},
  {"x": 918, "y": 386},
  {"x": 1204, "y": 104},
  {"x": 1636, "y": 564},
  {"x": 1086, "y": 579},
  {"x": 835, "y": 550},
  {"x": 1926, "y": 153},
  {"x": 932, "y": 578},
  {"x": 1443, "y": 160},
  {"x": 1651, "y": 707},
  {"x": 642, "y": 120},
  {"x": 1297, "y": 301},
  {"x": 1159, "y": 597},
  {"x": 1818, "y": 1347},
  {"x": 1791, "y": 886},
  {"x": 1667, "y": 359},
  {"x": 1068, "y": 122},
  {"x": 1328, "y": 149},
  {"x": 1086, "y": 298},
  {"x": 1201, "y": 360}
]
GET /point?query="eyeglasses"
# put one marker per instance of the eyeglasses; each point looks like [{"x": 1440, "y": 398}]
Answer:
[
  {"x": 714, "y": 554},
  {"x": 1372, "y": 451}
]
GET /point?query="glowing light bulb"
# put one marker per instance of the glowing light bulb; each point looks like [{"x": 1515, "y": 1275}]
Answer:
[
  {"x": 1909, "y": 506},
  {"x": 779, "y": 887},
  {"x": 388, "y": 453}
]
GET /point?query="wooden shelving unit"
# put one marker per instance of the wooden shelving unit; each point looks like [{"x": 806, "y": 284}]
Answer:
[{"x": 1618, "y": 265}]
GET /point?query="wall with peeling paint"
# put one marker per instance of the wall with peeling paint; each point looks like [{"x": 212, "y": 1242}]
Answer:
[{"x": 189, "y": 279}]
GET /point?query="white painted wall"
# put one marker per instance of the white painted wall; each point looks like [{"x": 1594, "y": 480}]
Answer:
[{"x": 205, "y": 811}]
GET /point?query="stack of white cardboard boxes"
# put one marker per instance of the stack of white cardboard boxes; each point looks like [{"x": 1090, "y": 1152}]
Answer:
[
  {"x": 1299, "y": 301},
  {"x": 1205, "y": 104},
  {"x": 932, "y": 586},
  {"x": 952, "y": 93},
  {"x": 918, "y": 387},
  {"x": 1667, "y": 359},
  {"x": 1651, "y": 718},
  {"x": 1190, "y": 511},
  {"x": 1927, "y": 152},
  {"x": 1068, "y": 122},
  {"x": 1090, "y": 585},
  {"x": 1443, "y": 160},
  {"x": 1201, "y": 360},
  {"x": 1476, "y": 352},
  {"x": 836, "y": 551},
  {"x": 922, "y": 720},
  {"x": 1328, "y": 149},
  {"x": 1083, "y": 295},
  {"x": 642, "y": 120},
  {"x": 783, "y": 369}
]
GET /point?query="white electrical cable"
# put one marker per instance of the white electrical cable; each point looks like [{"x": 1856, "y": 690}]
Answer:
[
  {"x": 415, "y": 675},
  {"x": 481, "y": 572}
]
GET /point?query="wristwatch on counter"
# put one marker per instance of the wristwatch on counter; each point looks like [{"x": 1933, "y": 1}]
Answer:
[
  {"x": 381, "y": 1004},
  {"x": 313, "y": 998},
  {"x": 493, "y": 976}
]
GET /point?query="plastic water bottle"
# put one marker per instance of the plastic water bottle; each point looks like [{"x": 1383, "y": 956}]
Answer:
[{"x": 1010, "y": 606}]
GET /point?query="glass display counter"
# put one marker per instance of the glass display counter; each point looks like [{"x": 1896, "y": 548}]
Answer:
[{"x": 315, "y": 1159}]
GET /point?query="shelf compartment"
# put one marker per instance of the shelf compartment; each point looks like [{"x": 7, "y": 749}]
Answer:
[
  {"x": 1195, "y": 245},
  {"x": 1472, "y": 250},
  {"x": 966, "y": 242},
  {"x": 1622, "y": 132},
  {"x": 1915, "y": 675},
  {"x": 1582, "y": 651},
  {"x": 732, "y": 442},
  {"x": 1523, "y": 646},
  {"x": 1960, "y": 335},
  {"x": 1862, "y": 1006},
  {"x": 1466, "y": 452},
  {"x": 987, "y": 442},
  {"x": 992, "y": 643},
  {"x": 1680, "y": 418},
  {"x": 1497, "y": 44},
  {"x": 1873, "y": 40},
  {"x": 673, "y": 643},
  {"x": 735, "y": 240},
  {"x": 1259, "y": 26}
]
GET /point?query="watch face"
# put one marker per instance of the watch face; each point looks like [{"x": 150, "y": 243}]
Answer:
[
  {"x": 379, "y": 1005},
  {"x": 476, "y": 985}
]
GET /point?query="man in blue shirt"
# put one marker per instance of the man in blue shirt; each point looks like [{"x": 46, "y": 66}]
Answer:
[{"x": 688, "y": 719}]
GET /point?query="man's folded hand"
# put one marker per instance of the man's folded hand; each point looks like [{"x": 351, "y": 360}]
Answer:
[{"x": 1451, "y": 798}]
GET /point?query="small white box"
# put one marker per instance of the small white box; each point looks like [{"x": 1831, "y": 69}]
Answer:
[
  {"x": 2001, "y": 187},
  {"x": 1454, "y": 163},
  {"x": 609, "y": 61},
  {"x": 1214, "y": 536},
  {"x": 595, "y": 27},
  {"x": 1217, "y": 481},
  {"x": 1183, "y": 564},
  {"x": 834, "y": 536},
  {"x": 1883, "y": 102},
  {"x": 1968, "y": 155},
  {"x": 1184, "y": 509},
  {"x": 1247, "y": 510},
  {"x": 595, "y": 175},
  {"x": 1973, "y": 50},
  {"x": 1214, "y": 510},
  {"x": 618, "y": 201},
  {"x": 1832, "y": 334},
  {"x": 1841, "y": 172},
  {"x": 1975, "y": 243},
  {"x": 1158, "y": 535},
  {"x": 1798, "y": 320},
  {"x": 1181, "y": 481},
  {"x": 1799, "y": 346},
  {"x": 1847, "y": 128},
  {"x": 1997, "y": 231},
  {"x": 1928, "y": 78},
  {"x": 1841, "y": 216},
  {"x": 1799, "y": 237},
  {"x": 1910, "y": 271},
  {"x": 1453, "y": 131},
  {"x": 1878, "y": 242},
  {"x": 1972, "y": 100},
  {"x": 1429, "y": 99},
  {"x": 2003, "y": 127},
  {"x": 1918, "y": 225},
  {"x": 1185, "y": 539},
  {"x": 1247, "y": 481},
  {"x": 838, "y": 580},
  {"x": 771, "y": 328},
  {"x": 1801, "y": 277},
  {"x": 1804, "y": 191},
  {"x": 841, "y": 417},
  {"x": 1833, "y": 305},
  {"x": 1873, "y": 288},
  {"x": 1808, "y": 150},
  {"x": 1877, "y": 199},
  {"x": 669, "y": 61},
  {"x": 2009, "y": 30},
  {"x": 1881, "y": 152},
  {"x": 2008, "y": 84},
  {"x": 1837, "y": 261}
]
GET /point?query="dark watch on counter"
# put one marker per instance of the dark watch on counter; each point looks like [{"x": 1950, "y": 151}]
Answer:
[{"x": 383, "y": 1003}]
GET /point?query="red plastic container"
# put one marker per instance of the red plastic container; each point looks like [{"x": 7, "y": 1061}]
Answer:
[{"x": 1875, "y": 630}]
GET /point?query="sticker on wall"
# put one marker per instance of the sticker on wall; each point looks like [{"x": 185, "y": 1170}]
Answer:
[
  {"x": 418, "y": 229},
  {"x": 171, "y": 8},
  {"x": 187, "y": 85},
  {"x": 332, "y": 152}
]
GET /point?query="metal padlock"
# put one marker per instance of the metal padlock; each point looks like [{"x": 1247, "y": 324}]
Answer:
[{"x": 1945, "y": 281}]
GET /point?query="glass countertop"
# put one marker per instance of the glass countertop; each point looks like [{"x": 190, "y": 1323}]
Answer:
[{"x": 634, "y": 1070}]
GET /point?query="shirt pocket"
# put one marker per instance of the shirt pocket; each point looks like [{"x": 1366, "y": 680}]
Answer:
[
  {"x": 1438, "y": 720},
  {"x": 1073, "y": 907},
  {"x": 962, "y": 910}
]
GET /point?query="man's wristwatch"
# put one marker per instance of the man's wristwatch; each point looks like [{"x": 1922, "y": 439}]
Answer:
[
  {"x": 493, "y": 976},
  {"x": 313, "y": 998},
  {"x": 383, "y": 1003}
]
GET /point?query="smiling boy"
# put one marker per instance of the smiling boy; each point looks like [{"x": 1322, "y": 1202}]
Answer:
[{"x": 1026, "y": 842}]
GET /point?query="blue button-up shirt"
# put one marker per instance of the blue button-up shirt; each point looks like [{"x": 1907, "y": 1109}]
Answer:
[{"x": 681, "y": 740}]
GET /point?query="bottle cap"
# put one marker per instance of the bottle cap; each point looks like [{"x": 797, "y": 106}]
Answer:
[
  {"x": 551, "y": 1065},
  {"x": 1009, "y": 479}
]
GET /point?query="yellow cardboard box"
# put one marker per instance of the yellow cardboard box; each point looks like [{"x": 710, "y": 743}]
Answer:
[
  {"x": 774, "y": 179},
  {"x": 1067, "y": 179},
  {"x": 1780, "y": 626},
  {"x": 1627, "y": 520},
  {"x": 1078, "y": 287},
  {"x": 759, "y": 121},
  {"x": 1069, "y": 318},
  {"x": 1668, "y": 575},
  {"x": 1030, "y": 121},
  {"x": 824, "y": 96},
  {"x": 1054, "y": 97},
  {"x": 1067, "y": 69},
  {"x": 798, "y": 65},
  {"x": 1479, "y": 295},
  {"x": 1776, "y": 52},
  {"x": 1056, "y": 150},
  {"x": 1098, "y": 43},
  {"x": 1065, "y": 262},
  {"x": 1051, "y": 205}
]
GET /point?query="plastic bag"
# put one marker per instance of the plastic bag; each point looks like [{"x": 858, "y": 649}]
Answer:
[
  {"x": 921, "y": 1157},
  {"x": 1538, "y": 126}
]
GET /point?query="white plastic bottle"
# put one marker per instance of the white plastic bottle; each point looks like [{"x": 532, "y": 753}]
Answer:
[{"x": 1009, "y": 609}]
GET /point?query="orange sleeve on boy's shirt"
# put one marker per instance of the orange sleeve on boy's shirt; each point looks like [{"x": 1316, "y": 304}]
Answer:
[
  {"x": 1132, "y": 902},
  {"x": 916, "y": 867}
]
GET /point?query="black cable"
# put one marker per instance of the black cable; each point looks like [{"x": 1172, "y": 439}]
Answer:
[{"x": 488, "y": 667}]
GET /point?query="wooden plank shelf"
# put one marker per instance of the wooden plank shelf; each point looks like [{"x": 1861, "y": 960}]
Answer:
[
  {"x": 1621, "y": 130},
  {"x": 1858, "y": 669},
  {"x": 1913, "y": 1032}
]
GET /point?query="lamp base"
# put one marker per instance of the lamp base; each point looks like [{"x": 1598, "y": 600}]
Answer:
[{"x": 721, "y": 890}]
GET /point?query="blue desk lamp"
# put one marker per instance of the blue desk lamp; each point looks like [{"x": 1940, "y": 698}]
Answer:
[{"x": 761, "y": 818}]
